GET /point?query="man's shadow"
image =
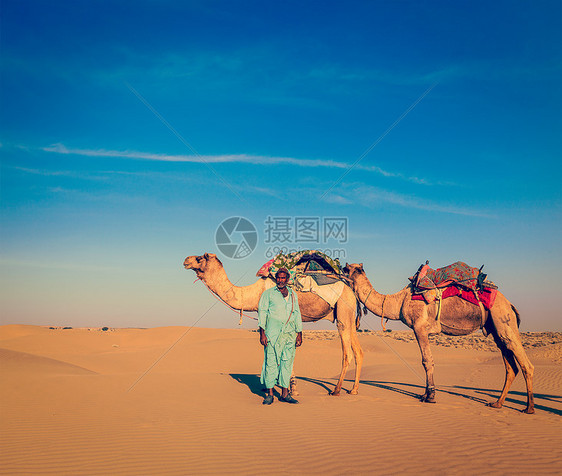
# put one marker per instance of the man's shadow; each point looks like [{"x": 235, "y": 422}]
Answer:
[{"x": 252, "y": 381}]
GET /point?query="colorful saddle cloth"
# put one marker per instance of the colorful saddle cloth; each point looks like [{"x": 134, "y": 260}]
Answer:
[
  {"x": 457, "y": 279},
  {"x": 306, "y": 261},
  {"x": 311, "y": 271},
  {"x": 458, "y": 273}
]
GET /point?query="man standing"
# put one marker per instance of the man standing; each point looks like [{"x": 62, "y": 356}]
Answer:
[{"x": 280, "y": 324}]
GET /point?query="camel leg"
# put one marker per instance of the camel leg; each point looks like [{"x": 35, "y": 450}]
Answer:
[
  {"x": 511, "y": 369},
  {"x": 509, "y": 338},
  {"x": 345, "y": 336},
  {"x": 528, "y": 370},
  {"x": 293, "y": 385},
  {"x": 358, "y": 355},
  {"x": 422, "y": 337}
]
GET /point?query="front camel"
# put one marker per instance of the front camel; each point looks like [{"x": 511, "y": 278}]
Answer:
[
  {"x": 456, "y": 317},
  {"x": 313, "y": 308}
]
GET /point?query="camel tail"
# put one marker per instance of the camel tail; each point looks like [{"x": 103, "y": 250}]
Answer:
[{"x": 516, "y": 315}]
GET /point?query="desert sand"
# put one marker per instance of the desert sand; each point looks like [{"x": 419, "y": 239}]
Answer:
[{"x": 129, "y": 401}]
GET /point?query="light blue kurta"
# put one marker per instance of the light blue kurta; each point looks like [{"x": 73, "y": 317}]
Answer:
[{"x": 281, "y": 332}]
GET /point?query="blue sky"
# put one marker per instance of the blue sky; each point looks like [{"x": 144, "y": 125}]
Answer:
[{"x": 131, "y": 130}]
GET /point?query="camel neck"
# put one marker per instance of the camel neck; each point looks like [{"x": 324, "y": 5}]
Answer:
[
  {"x": 386, "y": 305},
  {"x": 237, "y": 297}
]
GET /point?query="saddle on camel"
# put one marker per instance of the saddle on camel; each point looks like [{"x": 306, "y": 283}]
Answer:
[
  {"x": 310, "y": 271},
  {"x": 457, "y": 279}
]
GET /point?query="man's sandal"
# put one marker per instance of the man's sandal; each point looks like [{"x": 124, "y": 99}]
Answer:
[{"x": 288, "y": 399}]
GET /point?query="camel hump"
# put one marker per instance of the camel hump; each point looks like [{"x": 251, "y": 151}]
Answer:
[{"x": 457, "y": 273}]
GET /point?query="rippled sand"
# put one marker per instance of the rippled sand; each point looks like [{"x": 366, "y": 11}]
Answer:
[{"x": 129, "y": 401}]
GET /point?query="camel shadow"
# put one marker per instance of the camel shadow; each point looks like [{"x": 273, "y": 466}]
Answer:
[
  {"x": 492, "y": 393},
  {"x": 538, "y": 396},
  {"x": 542, "y": 396},
  {"x": 321, "y": 383},
  {"x": 329, "y": 386},
  {"x": 415, "y": 391},
  {"x": 252, "y": 381}
]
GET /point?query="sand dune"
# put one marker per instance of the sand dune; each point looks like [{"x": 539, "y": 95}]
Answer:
[
  {"x": 24, "y": 363},
  {"x": 79, "y": 401}
]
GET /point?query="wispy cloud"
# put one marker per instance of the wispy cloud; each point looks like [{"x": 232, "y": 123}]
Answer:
[
  {"x": 109, "y": 177},
  {"x": 337, "y": 199},
  {"x": 58, "y": 173},
  {"x": 356, "y": 193},
  {"x": 372, "y": 197},
  {"x": 251, "y": 65},
  {"x": 261, "y": 191},
  {"x": 73, "y": 194},
  {"x": 229, "y": 158}
]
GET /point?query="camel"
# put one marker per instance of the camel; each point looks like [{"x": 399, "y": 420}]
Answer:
[
  {"x": 456, "y": 317},
  {"x": 313, "y": 308}
]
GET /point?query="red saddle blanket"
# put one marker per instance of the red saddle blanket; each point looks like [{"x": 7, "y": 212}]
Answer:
[
  {"x": 457, "y": 279},
  {"x": 458, "y": 273},
  {"x": 487, "y": 296}
]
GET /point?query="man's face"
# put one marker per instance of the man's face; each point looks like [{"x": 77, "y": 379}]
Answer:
[{"x": 282, "y": 279}]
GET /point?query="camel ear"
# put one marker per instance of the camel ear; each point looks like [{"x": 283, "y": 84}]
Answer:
[
  {"x": 206, "y": 256},
  {"x": 361, "y": 265}
]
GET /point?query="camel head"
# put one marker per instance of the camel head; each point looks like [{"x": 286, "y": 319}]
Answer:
[
  {"x": 202, "y": 264},
  {"x": 353, "y": 271}
]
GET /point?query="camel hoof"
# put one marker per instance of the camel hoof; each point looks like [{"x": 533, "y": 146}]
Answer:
[
  {"x": 294, "y": 392},
  {"x": 495, "y": 405},
  {"x": 353, "y": 392},
  {"x": 528, "y": 411},
  {"x": 334, "y": 393},
  {"x": 428, "y": 398}
]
